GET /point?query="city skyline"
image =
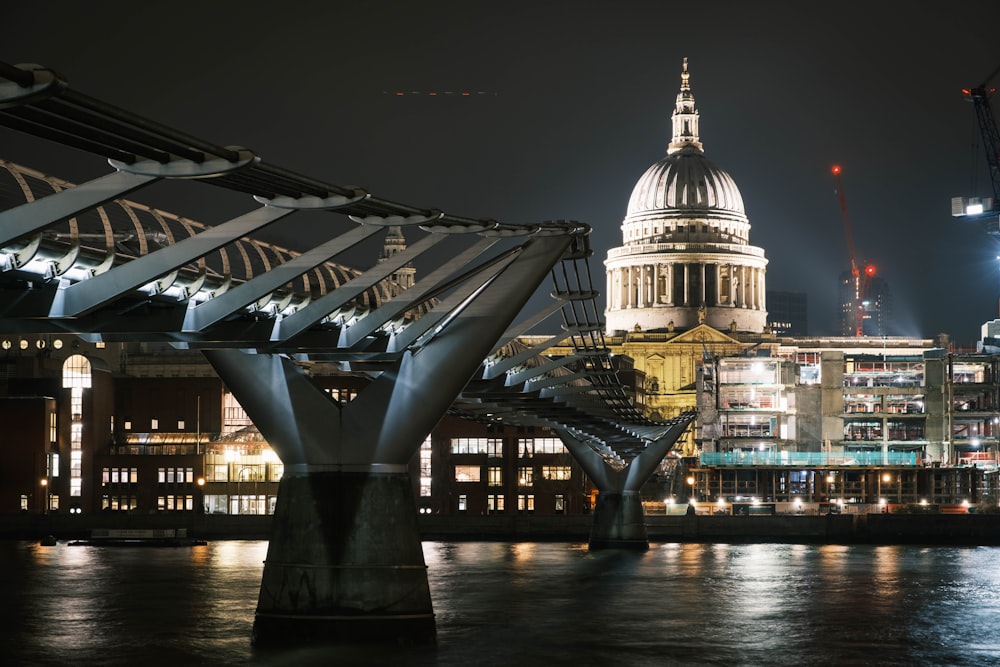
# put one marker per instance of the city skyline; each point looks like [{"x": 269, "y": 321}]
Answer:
[{"x": 569, "y": 103}]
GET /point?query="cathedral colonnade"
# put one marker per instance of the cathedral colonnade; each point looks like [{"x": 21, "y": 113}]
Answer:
[{"x": 672, "y": 283}]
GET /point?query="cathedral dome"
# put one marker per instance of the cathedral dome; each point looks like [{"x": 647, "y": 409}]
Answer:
[
  {"x": 685, "y": 258},
  {"x": 688, "y": 181}
]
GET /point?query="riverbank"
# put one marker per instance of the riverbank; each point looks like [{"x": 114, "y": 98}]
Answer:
[{"x": 982, "y": 529}]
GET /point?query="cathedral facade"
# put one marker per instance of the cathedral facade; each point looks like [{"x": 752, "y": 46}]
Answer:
[{"x": 686, "y": 283}]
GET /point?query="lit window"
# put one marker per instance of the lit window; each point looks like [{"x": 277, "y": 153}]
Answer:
[
  {"x": 425, "y": 467},
  {"x": 467, "y": 473},
  {"x": 462, "y": 503},
  {"x": 557, "y": 472},
  {"x": 76, "y": 372},
  {"x": 154, "y": 424}
]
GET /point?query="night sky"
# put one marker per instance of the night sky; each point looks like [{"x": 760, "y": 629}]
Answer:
[{"x": 570, "y": 103}]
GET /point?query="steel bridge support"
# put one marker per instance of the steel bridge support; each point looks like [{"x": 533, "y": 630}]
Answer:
[
  {"x": 345, "y": 561},
  {"x": 619, "y": 519}
]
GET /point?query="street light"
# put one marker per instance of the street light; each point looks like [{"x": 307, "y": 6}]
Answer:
[
  {"x": 201, "y": 488},
  {"x": 885, "y": 477},
  {"x": 690, "y": 481},
  {"x": 45, "y": 494}
]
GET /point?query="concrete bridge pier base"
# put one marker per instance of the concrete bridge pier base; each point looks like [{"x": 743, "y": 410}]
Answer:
[
  {"x": 345, "y": 562},
  {"x": 619, "y": 522}
]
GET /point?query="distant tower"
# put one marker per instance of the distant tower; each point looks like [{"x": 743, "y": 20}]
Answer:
[
  {"x": 395, "y": 243},
  {"x": 686, "y": 257},
  {"x": 876, "y": 311},
  {"x": 787, "y": 313}
]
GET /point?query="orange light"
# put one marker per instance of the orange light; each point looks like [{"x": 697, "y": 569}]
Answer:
[
  {"x": 400, "y": 94},
  {"x": 836, "y": 169},
  {"x": 870, "y": 270}
]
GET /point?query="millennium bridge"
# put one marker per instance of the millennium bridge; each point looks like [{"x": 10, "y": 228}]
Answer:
[{"x": 344, "y": 560}]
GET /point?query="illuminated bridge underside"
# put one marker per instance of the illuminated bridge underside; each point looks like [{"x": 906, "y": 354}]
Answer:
[{"x": 84, "y": 260}]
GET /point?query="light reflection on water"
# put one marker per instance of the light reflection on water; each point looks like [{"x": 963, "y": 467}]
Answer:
[{"x": 499, "y": 603}]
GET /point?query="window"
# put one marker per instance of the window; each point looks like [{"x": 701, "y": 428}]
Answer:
[
  {"x": 467, "y": 473},
  {"x": 76, "y": 372},
  {"x": 526, "y": 503},
  {"x": 216, "y": 473},
  {"x": 476, "y": 446},
  {"x": 463, "y": 501},
  {"x": 557, "y": 472},
  {"x": 525, "y": 476},
  {"x": 560, "y": 503},
  {"x": 527, "y": 447},
  {"x": 495, "y": 476},
  {"x": 425, "y": 468}
]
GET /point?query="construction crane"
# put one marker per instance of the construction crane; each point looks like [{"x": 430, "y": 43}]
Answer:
[
  {"x": 983, "y": 209},
  {"x": 859, "y": 279}
]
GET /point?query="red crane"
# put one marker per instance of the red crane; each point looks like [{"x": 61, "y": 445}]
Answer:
[{"x": 859, "y": 279}]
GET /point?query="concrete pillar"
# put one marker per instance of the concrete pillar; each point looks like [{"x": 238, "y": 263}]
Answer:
[
  {"x": 656, "y": 284},
  {"x": 608, "y": 277},
  {"x": 345, "y": 562},
  {"x": 732, "y": 285},
  {"x": 669, "y": 283},
  {"x": 619, "y": 522},
  {"x": 702, "y": 297},
  {"x": 687, "y": 285}
]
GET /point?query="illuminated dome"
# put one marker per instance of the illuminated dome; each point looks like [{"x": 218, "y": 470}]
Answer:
[
  {"x": 685, "y": 258},
  {"x": 682, "y": 183}
]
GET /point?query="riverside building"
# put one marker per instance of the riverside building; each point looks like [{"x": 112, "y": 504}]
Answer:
[{"x": 785, "y": 423}]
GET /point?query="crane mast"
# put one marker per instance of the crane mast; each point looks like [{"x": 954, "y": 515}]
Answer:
[
  {"x": 975, "y": 208},
  {"x": 859, "y": 279}
]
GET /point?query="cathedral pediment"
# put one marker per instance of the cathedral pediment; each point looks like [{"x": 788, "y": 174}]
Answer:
[{"x": 703, "y": 333}]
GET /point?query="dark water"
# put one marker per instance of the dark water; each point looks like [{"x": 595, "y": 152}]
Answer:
[{"x": 526, "y": 604}]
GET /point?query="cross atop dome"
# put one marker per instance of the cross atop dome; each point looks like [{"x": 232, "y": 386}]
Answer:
[{"x": 685, "y": 118}]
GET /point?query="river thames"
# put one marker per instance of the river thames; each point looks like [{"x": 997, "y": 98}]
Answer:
[{"x": 526, "y": 603}]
